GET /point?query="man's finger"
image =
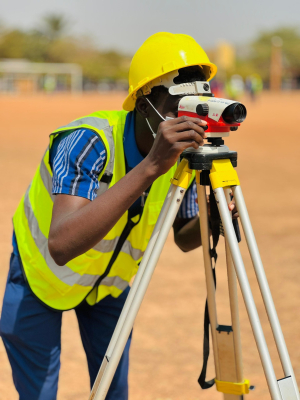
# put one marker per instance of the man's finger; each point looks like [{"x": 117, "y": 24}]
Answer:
[
  {"x": 184, "y": 118},
  {"x": 185, "y": 145},
  {"x": 188, "y": 125},
  {"x": 189, "y": 136},
  {"x": 231, "y": 206}
]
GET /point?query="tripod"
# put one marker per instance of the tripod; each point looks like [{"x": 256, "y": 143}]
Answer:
[{"x": 225, "y": 339}]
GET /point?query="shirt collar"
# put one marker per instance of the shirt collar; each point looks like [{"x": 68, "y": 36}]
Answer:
[{"x": 132, "y": 153}]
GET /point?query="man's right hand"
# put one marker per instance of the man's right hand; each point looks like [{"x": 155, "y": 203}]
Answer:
[{"x": 173, "y": 137}]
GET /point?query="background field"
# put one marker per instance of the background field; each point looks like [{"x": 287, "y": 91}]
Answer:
[{"x": 166, "y": 354}]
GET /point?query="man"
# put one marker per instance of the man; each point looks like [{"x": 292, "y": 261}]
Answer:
[{"x": 82, "y": 227}]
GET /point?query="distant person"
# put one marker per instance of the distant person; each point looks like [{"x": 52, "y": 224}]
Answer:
[
  {"x": 49, "y": 84},
  {"x": 216, "y": 88},
  {"x": 254, "y": 86},
  {"x": 235, "y": 87}
]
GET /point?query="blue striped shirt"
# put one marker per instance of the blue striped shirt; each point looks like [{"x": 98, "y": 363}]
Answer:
[
  {"x": 189, "y": 208},
  {"x": 77, "y": 159}
]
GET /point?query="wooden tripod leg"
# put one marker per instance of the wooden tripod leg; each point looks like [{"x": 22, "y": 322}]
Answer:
[
  {"x": 234, "y": 309},
  {"x": 225, "y": 339},
  {"x": 232, "y": 397},
  {"x": 234, "y": 371},
  {"x": 210, "y": 284}
]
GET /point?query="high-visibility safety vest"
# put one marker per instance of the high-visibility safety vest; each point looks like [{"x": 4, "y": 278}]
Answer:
[{"x": 64, "y": 287}]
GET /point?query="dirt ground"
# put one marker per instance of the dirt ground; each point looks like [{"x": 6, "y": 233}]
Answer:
[{"x": 166, "y": 355}]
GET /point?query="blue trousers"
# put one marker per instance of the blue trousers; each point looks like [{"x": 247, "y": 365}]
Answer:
[{"x": 31, "y": 334}]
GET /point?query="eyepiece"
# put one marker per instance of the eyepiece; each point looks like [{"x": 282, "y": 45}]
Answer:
[{"x": 236, "y": 112}]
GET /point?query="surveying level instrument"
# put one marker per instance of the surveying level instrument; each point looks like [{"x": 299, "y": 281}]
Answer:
[{"x": 214, "y": 165}]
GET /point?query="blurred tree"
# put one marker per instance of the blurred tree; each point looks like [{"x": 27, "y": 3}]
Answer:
[
  {"x": 49, "y": 43},
  {"x": 259, "y": 58},
  {"x": 35, "y": 46},
  {"x": 19, "y": 44},
  {"x": 54, "y": 26},
  {"x": 12, "y": 44},
  {"x": 62, "y": 50},
  {"x": 262, "y": 47}
]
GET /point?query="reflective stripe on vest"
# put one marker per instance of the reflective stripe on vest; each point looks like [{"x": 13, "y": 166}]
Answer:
[{"x": 64, "y": 273}]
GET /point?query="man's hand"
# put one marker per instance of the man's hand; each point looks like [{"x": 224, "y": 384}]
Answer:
[
  {"x": 173, "y": 137},
  {"x": 187, "y": 231},
  {"x": 232, "y": 208}
]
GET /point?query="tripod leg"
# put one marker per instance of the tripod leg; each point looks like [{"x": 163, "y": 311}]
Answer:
[
  {"x": 135, "y": 285},
  {"x": 264, "y": 287},
  {"x": 234, "y": 309},
  {"x": 225, "y": 339},
  {"x": 233, "y": 397},
  {"x": 247, "y": 294},
  {"x": 210, "y": 284},
  {"x": 134, "y": 300}
]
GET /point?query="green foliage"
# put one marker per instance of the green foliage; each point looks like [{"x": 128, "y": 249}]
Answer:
[
  {"x": 12, "y": 44},
  {"x": 49, "y": 43},
  {"x": 259, "y": 58},
  {"x": 54, "y": 26}
]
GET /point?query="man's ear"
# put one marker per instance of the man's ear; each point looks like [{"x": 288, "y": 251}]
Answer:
[{"x": 142, "y": 106}]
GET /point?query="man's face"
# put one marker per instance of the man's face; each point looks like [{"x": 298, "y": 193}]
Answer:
[{"x": 167, "y": 105}]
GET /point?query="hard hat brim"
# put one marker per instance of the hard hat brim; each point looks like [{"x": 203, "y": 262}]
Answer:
[{"x": 129, "y": 102}]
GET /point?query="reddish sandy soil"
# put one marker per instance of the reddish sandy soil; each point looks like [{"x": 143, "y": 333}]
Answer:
[{"x": 167, "y": 347}]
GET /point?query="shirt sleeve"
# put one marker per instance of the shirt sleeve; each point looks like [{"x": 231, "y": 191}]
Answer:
[
  {"x": 77, "y": 160},
  {"x": 189, "y": 208}
]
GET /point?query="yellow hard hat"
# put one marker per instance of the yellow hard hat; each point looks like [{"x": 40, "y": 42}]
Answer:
[{"x": 162, "y": 53}]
